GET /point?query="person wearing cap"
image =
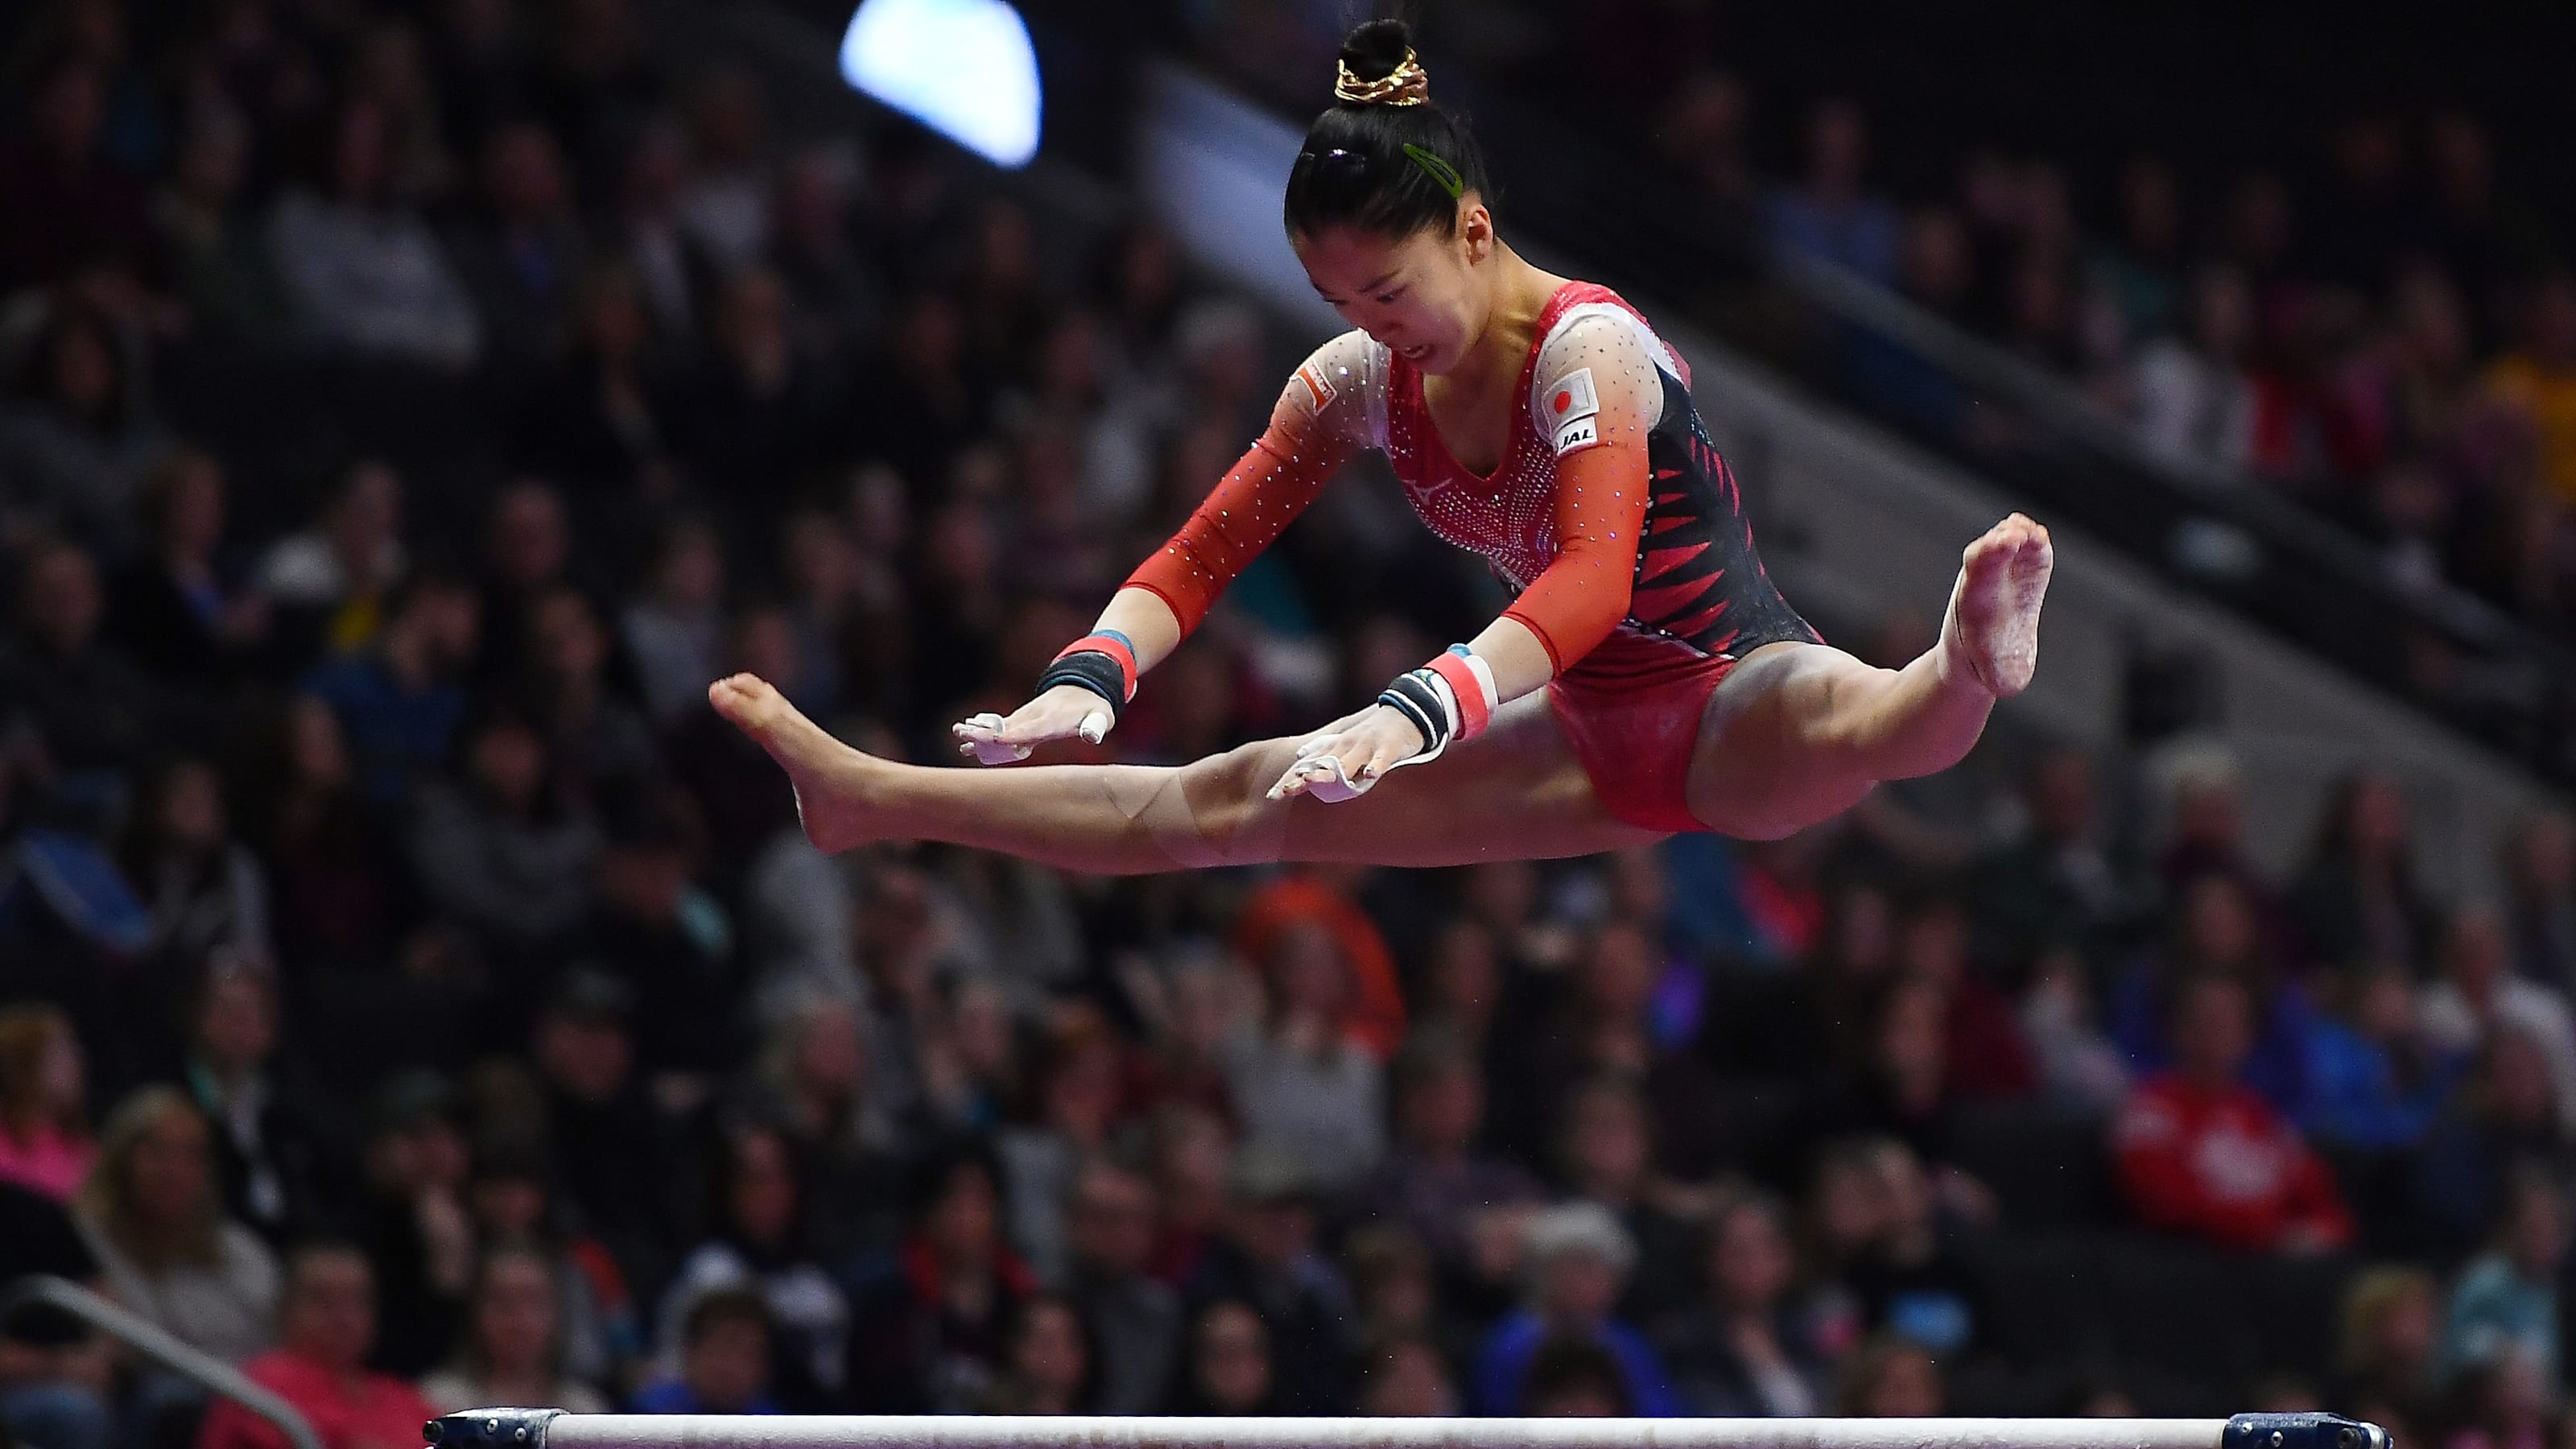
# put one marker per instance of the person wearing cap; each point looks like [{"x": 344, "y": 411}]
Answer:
[
  {"x": 1575, "y": 1257},
  {"x": 667, "y": 937},
  {"x": 610, "y": 1146},
  {"x": 417, "y": 1234}
]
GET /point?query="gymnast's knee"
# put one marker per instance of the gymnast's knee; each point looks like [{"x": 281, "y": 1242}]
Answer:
[{"x": 1228, "y": 797}]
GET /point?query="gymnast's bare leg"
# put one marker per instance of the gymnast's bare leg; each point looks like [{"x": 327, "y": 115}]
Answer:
[{"x": 1793, "y": 736}]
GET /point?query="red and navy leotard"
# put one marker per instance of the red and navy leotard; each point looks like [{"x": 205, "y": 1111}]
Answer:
[
  {"x": 1610, "y": 512},
  {"x": 1602, "y": 388}
]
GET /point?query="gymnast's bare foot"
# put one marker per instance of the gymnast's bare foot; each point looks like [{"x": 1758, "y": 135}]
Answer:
[
  {"x": 1993, "y": 626},
  {"x": 830, "y": 777}
]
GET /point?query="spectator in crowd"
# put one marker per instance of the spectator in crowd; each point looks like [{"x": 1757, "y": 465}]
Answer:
[
  {"x": 510, "y": 1196},
  {"x": 368, "y": 277},
  {"x": 1076, "y": 1104},
  {"x": 669, "y": 939},
  {"x": 2055, "y": 883},
  {"x": 724, "y": 1359},
  {"x": 399, "y": 703},
  {"x": 1268, "y": 1255},
  {"x": 675, "y": 632},
  {"x": 813, "y": 1080},
  {"x": 1407, "y": 1379},
  {"x": 326, "y": 1330},
  {"x": 2214, "y": 931},
  {"x": 1049, "y": 1370},
  {"x": 1606, "y": 1157},
  {"x": 418, "y": 1236},
  {"x": 2388, "y": 1340},
  {"x": 2506, "y": 1112},
  {"x": 2539, "y": 380},
  {"x": 2078, "y": 1063},
  {"x": 1573, "y": 1377},
  {"x": 172, "y": 610},
  {"x": 506, "y": 850},
  {"x": 203, "y": 887},
  {"x": 1298, "y": 1079},
  {"x": 2478, "y": 995},
  {"x": 1832, "y": 218},
  {"x": 2505, "y": 1302},
  {"x": 78, "y": 208},
  {"x": 220, "y": 265},
  {"x": 2540, "y": 877},
  {"x": 758, "y": 1214},
  {"x": 519, "y": 255},
  {"x": 609, "y": 1143},
  {"x": 2194, "y": 400},
  {"x": 270, "y": 1148},
  {"x": 1742, "y": 1351},
  {"x": 1398, "y": 1297},
  {"x": 512, "y": 1346},
  {"x": 928, "y": 1330},
  {"x": 45, "y": 1142},
  {"x": 152, "y": 1214},
  {"x": 1230, "y": 1368},
  {"x": 1910, "y": 1280},
  {"x": 91, "y": 709},
  {"x": 54, "y": 1373},
  {"x": 2377, "y": 1076},
  {"x": 1890, "y": 1378},
  {"x": 335, "y": 579},
  {"x": 334, "y": 882},
  {"x": 1574, "y": 1260},
  {"x": 77, "y": 437},
  {"x": 2265, "y": 1188},
  {"x": 1435, "y": 1182},
  {"x": 1131, "y": 1324},
  {"x": 2357, "y": 900}
]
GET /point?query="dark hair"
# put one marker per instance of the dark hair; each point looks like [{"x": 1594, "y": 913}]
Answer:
[
  {"x": 1382, "y": 167},
  {"x": 1567, "y": 1365},
  {"x": 721, "y": 1306}
]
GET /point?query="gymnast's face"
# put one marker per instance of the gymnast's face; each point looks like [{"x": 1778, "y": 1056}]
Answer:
[{"x": 1426, "y": 296}]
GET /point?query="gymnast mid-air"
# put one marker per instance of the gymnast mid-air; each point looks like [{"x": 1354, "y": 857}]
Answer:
[{"x": 1647, "y": 679}]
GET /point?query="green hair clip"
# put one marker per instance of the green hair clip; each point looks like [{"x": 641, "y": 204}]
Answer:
[{"x": 1438, "y": 170}]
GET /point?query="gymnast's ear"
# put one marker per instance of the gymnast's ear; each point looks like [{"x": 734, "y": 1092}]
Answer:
[{"x": 1476, "y": 228}]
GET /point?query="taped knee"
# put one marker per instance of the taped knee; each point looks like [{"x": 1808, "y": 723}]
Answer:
[{"x": 1230, "y": 824}]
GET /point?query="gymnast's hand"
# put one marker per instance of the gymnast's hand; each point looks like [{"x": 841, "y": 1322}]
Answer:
[
  {"x": 1349, "y": 755},
  {"x": 1065, "y": 712}
]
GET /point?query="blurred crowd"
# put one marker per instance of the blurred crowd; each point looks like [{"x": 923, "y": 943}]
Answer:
[
  {"x": 2387, "y": 337},
  {"x": 416, "y": 995}
]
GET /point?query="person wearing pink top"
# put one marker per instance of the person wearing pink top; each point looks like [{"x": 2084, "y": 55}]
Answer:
[
  {"x": 44, "y": 1133},
  {"x": 326, "y": 1326}
]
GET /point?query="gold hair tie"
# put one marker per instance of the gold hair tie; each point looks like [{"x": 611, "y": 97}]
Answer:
[{"x": 1406, "y": 85}]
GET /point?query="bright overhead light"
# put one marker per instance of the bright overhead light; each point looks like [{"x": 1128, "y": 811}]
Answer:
[{"x": 964, "y": 68}]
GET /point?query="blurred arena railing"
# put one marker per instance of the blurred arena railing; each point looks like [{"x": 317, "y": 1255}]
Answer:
[{"x": 44, "y": 1293}]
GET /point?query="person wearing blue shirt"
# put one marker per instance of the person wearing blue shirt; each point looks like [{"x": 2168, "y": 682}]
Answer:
[
  {"x": 399, "y": 702},
  {"x": 1575, "y": 1257},
  {"x": 721, "y": 1363}
]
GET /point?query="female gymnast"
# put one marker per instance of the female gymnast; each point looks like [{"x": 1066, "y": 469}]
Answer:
[{"x": 1647, "y": 679}]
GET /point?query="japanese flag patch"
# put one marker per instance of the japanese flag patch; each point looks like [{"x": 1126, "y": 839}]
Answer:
[{"x": 1572, "y": 412}]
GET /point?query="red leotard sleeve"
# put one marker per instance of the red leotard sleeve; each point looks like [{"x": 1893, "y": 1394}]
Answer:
[
  {"x": 1603, "y": 483},
  {"x": 1305, "y": 444}
]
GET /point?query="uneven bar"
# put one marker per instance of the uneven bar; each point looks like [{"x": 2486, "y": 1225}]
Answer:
[{"x": 549, "y": 1429}]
